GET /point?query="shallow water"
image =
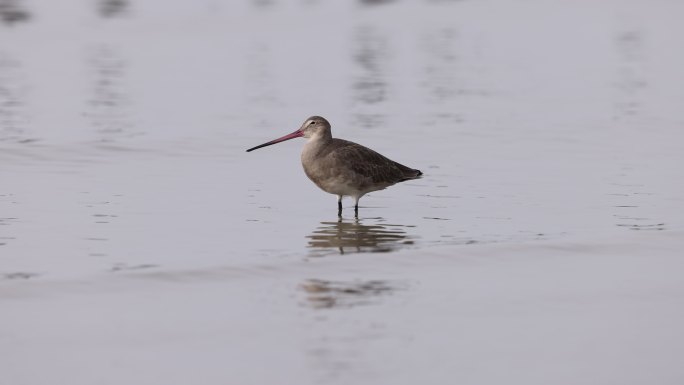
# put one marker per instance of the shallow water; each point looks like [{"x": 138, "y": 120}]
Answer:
[
  {"x": 124, "y": 133},
  {"x": 123, "y": 129}
]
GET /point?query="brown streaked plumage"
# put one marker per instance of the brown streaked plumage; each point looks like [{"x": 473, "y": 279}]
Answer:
[{"x": 342, "y": 167}]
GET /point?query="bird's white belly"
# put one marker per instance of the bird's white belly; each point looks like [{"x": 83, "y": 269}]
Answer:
[{"x": 337, "y": 184}]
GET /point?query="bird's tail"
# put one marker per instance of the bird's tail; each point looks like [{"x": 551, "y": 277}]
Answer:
[{"x": 412, "y": 174}]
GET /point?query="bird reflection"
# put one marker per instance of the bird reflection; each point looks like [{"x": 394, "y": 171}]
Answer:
[
  {"x": 12, "y": 11},
  {"x": 371, "y": 55},
  {"x": 14, "y": 121},
  {"x": 109, "y": 106},
  {"x": 353, "y": 236},
  {"x": 631, "y": 81},
  {"x": 324, "y": 294},
  {"x": 112, "y": 8}
]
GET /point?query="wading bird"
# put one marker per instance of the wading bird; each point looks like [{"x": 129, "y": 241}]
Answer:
[{"x": 342, "y": 167}]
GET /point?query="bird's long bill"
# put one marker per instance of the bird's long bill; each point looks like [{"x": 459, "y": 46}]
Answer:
[{"x": 293, "y": 135}]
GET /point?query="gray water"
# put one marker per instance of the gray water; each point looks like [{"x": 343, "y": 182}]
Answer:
[{"x": 124, "y": 124}]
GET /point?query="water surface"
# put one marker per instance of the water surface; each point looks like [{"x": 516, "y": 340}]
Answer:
[{"x": 124, "y": 179}]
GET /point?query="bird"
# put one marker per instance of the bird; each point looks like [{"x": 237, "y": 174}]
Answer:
[{"x": 341, "y": 167}]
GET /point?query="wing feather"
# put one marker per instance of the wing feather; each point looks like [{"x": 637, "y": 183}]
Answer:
[{"x": 366, "y": 163}]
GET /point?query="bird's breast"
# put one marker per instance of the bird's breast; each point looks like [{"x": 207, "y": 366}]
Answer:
[{"x": 328, "y": 174}]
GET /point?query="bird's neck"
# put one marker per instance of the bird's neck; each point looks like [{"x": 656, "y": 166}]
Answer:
[
  {"x": 320, "y": 139},
  {"x": 315, "y": 144}
]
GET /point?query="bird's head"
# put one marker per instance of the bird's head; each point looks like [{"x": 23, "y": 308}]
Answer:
[{"x": 313, "y": 128}]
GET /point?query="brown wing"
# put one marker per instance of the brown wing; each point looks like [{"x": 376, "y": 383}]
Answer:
[{"x": 376, "y": 168}]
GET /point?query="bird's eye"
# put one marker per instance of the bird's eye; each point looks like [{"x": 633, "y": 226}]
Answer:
[{"x": 312, "y": 122}]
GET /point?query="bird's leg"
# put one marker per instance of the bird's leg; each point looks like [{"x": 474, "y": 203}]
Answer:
[
  {"x": 339, "y": 205},
  {"x": 356, "y": 207}
]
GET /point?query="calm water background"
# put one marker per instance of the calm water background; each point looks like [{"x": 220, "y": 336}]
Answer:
[{"x": 123, "y": 126}]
